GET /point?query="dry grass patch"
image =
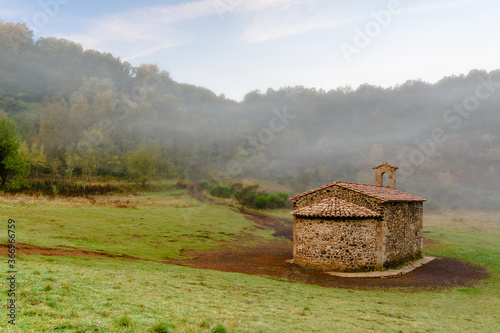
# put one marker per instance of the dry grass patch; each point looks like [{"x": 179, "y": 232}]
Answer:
[{"x": 465, "y": 220}]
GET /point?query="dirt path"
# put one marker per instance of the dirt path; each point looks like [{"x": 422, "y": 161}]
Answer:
[
  {"x": 270, "y": 259},
  {"x": 282, "y": 227},
  {"x": 46, "y": 251}
]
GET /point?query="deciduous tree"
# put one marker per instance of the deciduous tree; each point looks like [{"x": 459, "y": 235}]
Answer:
[
  {"x": 143, "y": 163},
  {"x": 10, "y": 161}
]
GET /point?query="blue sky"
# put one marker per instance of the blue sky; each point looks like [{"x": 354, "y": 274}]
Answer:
[{"x": 235, "y": 46}]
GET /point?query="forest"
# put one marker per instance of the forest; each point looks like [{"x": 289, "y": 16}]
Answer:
[{"x": 82, "y": 114}]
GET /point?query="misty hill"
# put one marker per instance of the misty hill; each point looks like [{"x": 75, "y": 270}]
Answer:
[{"x": 445, "y": 137}]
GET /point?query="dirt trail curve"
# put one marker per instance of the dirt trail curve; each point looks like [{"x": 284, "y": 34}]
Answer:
[{"x": 270, "y": 259}]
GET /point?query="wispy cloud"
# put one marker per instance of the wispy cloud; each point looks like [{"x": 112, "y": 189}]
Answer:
[
  {"x": 146, "y": 30},
  {"x": 142, "y": 31},
  {"x": 249, "y": 6},
  {"x": 439, "y": 6},
  {"x": 278, "y": 19},
  {"x": 297, "y": 18},
  {"x": 277, "y": 24}
]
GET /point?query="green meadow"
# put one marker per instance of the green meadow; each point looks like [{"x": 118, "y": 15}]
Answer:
[
  {"x": 81, "y": 294},
  {"x": 153, "y": 226}
]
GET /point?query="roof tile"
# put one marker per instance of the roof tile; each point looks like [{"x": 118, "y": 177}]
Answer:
[
  {"x": 382, "y": 193},
  {"x": 335, "y": 207},
  {"x": 385, "y": 194}
]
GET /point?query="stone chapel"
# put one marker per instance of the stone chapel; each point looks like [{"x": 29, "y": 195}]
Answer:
[{"x": 351, "y": 227}]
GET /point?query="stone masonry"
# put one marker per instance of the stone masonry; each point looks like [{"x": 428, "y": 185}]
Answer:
[{"x": 349, "y": 227}]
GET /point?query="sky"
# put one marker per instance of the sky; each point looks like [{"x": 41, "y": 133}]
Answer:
[{"x": 233, "y": 47}]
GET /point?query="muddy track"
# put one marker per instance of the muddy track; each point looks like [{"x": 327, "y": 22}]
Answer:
[
  {"x": 282, "y": 227},
  {"x": 46, "y": 251}
]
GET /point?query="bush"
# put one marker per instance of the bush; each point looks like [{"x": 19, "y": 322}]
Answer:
[
  {"x": 283, "y": 195},
  {"x": 208, "y": 183},
  {"x": 247, "y": 195},
  {"x": 249, "y": 199},
  {"x": 221, "y": 191},
  {"x": 236, "y": 187},
  {"x": 262, "y": 202},
  {"x": 181, "y": 184},
  {"x": 276, "y": 201},
  {"x": 203, "y": 184},
  {"x": 64, "y": 189}
]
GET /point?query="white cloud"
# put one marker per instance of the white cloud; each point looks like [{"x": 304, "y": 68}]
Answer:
[
  {"x": 441, "y": 6},
  {"x": 270, "y": 4},
  {"x": 277, "y": 26},
  {"x": 141, "y": 31},
  {"x": 146, "y": 30},
  {"x": 301, "y": 17},
  {"x": 278, "y": 19}
]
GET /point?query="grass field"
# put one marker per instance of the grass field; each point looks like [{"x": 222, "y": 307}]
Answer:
[
  {"x": 156, "y": 226},
  {"x": 77, "y": 294}
]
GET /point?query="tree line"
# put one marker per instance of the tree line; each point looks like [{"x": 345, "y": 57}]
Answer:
[{"x": 81, "y": 114}]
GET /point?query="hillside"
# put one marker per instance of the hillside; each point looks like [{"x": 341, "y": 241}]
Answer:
[{"x": 93, "y": 114}]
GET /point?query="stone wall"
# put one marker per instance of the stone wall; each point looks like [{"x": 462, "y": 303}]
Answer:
[
  {"x": 358, "y": 244},
  {"x": 341, "y": 193},
  {"x": 404, "y": 236},
  {"x": 337, "y": 245}
]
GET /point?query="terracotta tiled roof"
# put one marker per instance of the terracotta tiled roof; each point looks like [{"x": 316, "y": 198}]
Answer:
[
  {"x": 382, "y": 193},
  {"x": 312, "y": 191},
  {"x": 334, "y": 207}
]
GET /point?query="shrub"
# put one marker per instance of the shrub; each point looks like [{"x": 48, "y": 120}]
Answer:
[
  {"x": 283, "y": 195},
  {"x": 236, "y": 187},
  {"x": 262, "y": 202},
  {"x": 181, "y": 184},
  {"x": 65, "y": 189},
  {"x": 206, "y": 184},
  {"x": 249, "y": 199},
  {"x": 247, "y": 195},
  {"x": 221, "y": 191},
  {"x": 203, "y": 184},
  {"x": 276, "y": 201}
]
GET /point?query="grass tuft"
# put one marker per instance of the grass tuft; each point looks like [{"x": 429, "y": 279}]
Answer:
[
  {"x": 52, "y": 304},
  {"x": 124, "y": 321},
  {"x": 162, "y": 328},
  {"x": 219, "y": 329},
  {"x": 204, "y": 323}
]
